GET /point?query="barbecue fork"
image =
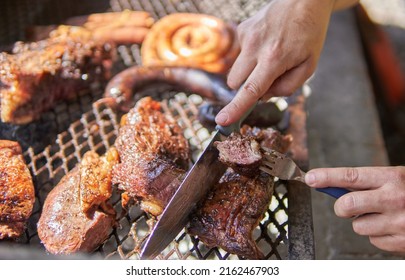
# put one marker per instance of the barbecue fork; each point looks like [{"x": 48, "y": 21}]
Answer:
[{"x": 283, "y": 167}]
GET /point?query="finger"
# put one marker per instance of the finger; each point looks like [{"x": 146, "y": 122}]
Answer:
[
  {"x": 374, "y": 225},
  {"x": 360, "y": 178},
  {"x": 255, "y": 86},
  {"x": 359, "y": 203},
  {"x": 290, "y": 81},
  {"x": 242, "y": 67},
  {"x": 390, "y": 243}
]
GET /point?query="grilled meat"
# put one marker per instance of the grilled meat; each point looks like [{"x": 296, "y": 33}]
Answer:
[
  {"x": 242, "y": 153},
  {"x": 235, "y": 206},
  {"x": 231, "y": 211},
  {"x": 268, "y": 138},
  {"x": 76, "y": 215},
  {"x": 154, "y": 156},
  {"x": 37, "y": 75},
  {"x": 17, "y": 194}
]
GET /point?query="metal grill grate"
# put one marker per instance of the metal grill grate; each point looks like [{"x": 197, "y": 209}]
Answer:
[
  {"x": 97, "y": 130},
  {"x": 81, "y": 126}
]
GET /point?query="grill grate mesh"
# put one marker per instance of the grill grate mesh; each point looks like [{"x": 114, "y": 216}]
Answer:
[
  {"x": 84, "y": 126},
  {"x": 97, "y": 130}
]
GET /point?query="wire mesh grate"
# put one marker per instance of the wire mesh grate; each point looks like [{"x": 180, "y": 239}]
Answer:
[
  {"x": 80, "y": 126},
  {"x": 97, "y": 130}
]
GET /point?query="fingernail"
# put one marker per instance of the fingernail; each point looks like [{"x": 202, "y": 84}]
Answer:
[
  {"x": 221, "y": 118},
  {"x": 310, "y": 179}
]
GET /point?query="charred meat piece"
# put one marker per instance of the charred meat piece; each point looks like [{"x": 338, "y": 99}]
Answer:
[
  {"x": 232, "y": 209},
  {"x": 235, "y": 206},
  {"x": 76, "y": 215},
  {"x": 242, "y": 152},
  {"x": 37, "y": 75},
  {"x": 154, "y": 156},
  {"x": 17, "y": 193}
]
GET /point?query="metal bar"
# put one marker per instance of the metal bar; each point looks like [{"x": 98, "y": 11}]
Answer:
[{"x": 300, "y": 223}]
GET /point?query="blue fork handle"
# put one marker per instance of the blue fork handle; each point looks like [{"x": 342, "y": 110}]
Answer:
[{"x": 333, "y": 191}]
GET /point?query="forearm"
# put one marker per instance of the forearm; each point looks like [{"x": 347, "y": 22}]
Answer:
[{"x": 343, "y": 4}]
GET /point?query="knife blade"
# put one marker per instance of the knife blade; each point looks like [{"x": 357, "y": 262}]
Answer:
[
  {"x": 206, "y": 171},
  {"x": 193, "y": 188}
]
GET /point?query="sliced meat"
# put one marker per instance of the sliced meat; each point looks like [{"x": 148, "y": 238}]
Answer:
[
  {"x": 269, "y": 138},
  {"x": 235, "y": 206},
  {"x": 17, "y": 193},
  {"x": 242, "y": 153},
  {"x": 154, "y": 156},
  {"x": 76, "y": 215}
]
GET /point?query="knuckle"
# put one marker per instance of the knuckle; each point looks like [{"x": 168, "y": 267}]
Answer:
[
  {"x": 244, "y": 32},
  {"x": 351, "y": 175},
  {"x": 241, "y": 28},
  {"x": 398, "y": 174},
  {"x": 272, "y": 53},
  {"x": 234, "y": 107},
  {"x": 396, "y": 197},
  {"x": 253, "y": 89},
  {"x": 400, "y": 223},
  {"x": 246, "y": 40},
  {"x": 399, "y": 200}
]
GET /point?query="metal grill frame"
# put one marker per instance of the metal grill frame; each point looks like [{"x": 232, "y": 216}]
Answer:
[{"x": 96, "y": 130}]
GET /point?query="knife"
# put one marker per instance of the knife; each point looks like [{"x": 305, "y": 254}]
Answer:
[{"x": 206, "y": 171}]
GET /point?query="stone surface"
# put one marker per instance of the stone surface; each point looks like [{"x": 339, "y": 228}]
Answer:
[{"x": 343, "y": 130}]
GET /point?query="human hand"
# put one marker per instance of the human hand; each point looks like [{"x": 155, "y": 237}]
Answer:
[
  {"x": 377, "y": 201},
  {"x": 280, "y": 47}
]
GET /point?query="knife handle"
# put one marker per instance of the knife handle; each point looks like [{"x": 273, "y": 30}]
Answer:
[
  {"x": 333, "y": 191},
  {"x": 227, "y": 130}
]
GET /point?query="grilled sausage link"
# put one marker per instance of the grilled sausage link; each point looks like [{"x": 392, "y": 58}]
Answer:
[
  {"x": 126, "y": 27},
  {"x": 191, "y": 40},
  {"x": 121, "y": 91}
]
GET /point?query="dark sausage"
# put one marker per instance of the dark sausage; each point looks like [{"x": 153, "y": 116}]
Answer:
[{"x": 121, "y": 91}]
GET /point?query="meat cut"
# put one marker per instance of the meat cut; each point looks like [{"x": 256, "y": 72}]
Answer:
[
  {"x": 76, "y": 215},
  {"x": 17, "y": 193},
  {"x": 154, "y": 156},
  {"x": 234, "y": 207},
  {"x": 242, "y": 153},
  {"x": 37, "y": 75}
]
